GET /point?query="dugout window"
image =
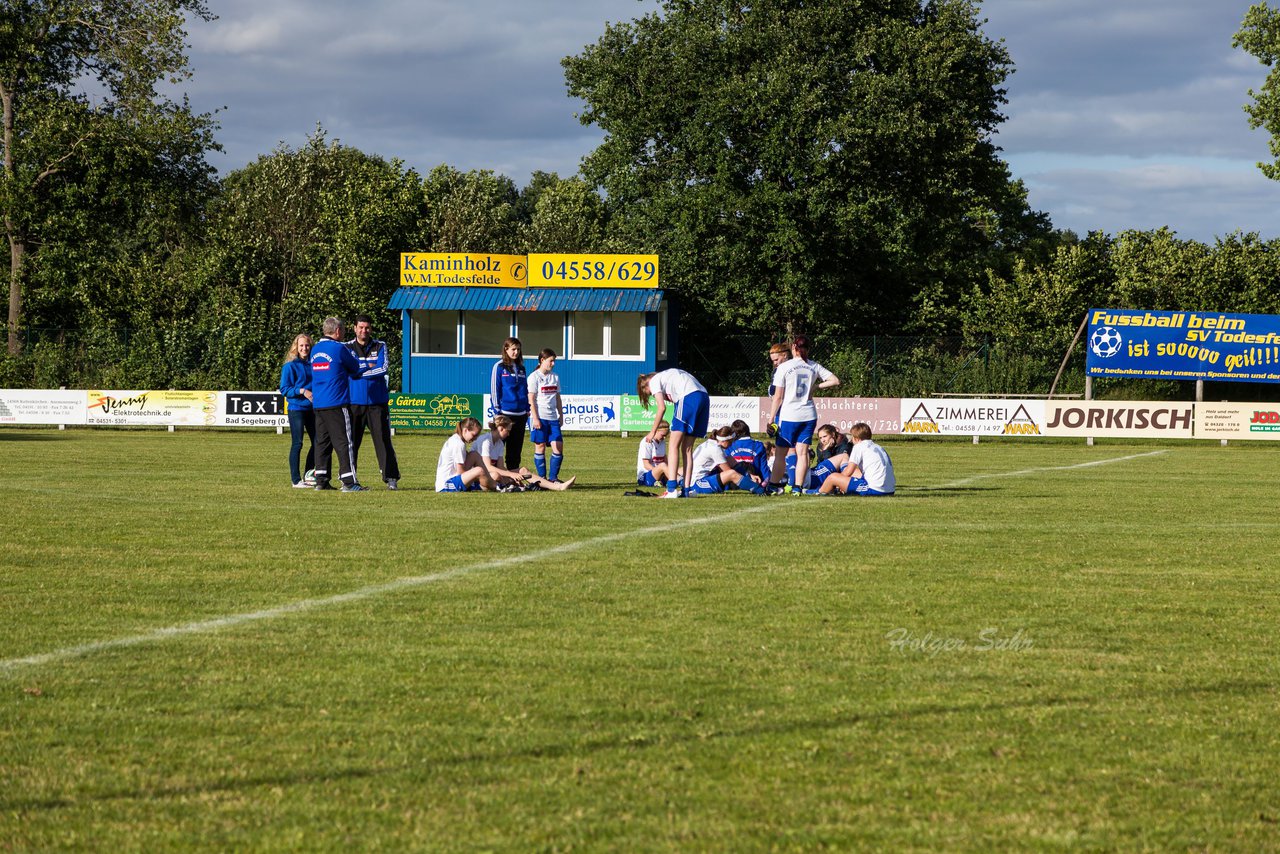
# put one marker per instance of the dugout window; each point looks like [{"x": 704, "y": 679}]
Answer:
[
  {"x": 484, "y": 331},
  {"x": 539, "y": 329},
  {"x": 626, "y": 333},
  {"x": 589, "y": 334},
  {"x": 435, "y": 333}
]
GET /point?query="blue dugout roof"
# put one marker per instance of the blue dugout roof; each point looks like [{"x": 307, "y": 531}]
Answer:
[{"x": 525, "y": 299}]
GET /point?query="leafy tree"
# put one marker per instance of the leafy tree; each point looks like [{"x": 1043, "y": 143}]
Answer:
[
  {"x": 825, "y": 166},
  {"x": 1259, "y": 35},
  {"x": 303, "y": 233},
  {"x": 566, "y": 215},
  {"x": 475, "y": 211},
  {"x": 49, "y": 50}
]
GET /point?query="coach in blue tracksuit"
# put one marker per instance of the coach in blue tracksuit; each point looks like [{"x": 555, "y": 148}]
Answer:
[
  {"x": 369, "y": 396},
  {"x": 509, "y": 396},
  {"x": 332, "y": 364}
]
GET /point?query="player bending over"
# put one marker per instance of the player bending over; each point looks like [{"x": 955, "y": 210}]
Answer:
[{"x": 692, "y": 406}]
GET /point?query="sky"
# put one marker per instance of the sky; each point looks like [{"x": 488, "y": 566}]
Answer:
[{"x": 1121, "y": 114}]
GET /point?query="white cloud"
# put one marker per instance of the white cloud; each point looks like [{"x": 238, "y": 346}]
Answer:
[{"x": 1121, "y": 114}]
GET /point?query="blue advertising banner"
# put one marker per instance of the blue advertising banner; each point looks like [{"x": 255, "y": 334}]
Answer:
[{"x": 1183, "y": 345}]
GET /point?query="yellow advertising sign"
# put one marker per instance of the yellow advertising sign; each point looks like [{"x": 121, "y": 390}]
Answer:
[
  {"x": 593, "y": 271},
  {"x": 466, "y": 269},
  {"x": 160, "y": 408}
]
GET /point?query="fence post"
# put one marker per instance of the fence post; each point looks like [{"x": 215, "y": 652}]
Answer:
[{"x": 875, "y": 369}]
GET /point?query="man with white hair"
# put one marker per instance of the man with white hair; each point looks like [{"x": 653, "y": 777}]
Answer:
[{"x": 332, "y": 366}]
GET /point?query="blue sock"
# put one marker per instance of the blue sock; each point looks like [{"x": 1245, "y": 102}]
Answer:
[
  {"x": 753, "y": 487},
  {"x": 540, "y": 464},
  {"x": 554, "y": 471}
]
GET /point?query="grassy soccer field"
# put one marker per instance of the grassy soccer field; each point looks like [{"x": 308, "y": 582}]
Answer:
[{"x": 1034, "y": 645}]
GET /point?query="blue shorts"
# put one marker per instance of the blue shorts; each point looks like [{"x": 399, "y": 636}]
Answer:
[
  {"x": 646, "y": 479},
  {"x": 692, "y": 413},
  {"x": 858, "y": 486},
  {"x": 819, "y": 474},
  {"x": 454, "y": 484},
  {"x": 550, "y": 432},
  {"x": 793, "y": 434},
  {"x": 709, "y": 485}
]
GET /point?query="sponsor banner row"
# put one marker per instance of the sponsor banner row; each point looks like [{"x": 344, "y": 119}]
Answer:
[
  {"x": 623, "y": 413},
  {"x": 1183, "y": 345},
  {"x": 1010, "y": 417}
]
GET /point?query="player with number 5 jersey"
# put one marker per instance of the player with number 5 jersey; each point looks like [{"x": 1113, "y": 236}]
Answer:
[{"x": 794, "y": 382}]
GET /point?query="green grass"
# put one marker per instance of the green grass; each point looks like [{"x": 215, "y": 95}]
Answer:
[{"x": 712, "y": 674}]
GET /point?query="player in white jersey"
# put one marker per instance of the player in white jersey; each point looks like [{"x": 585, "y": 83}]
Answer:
[
  {"x": 460, "y": 470},
  {"x": 712, "y": 471},
  {"x": 794, "y": 382},
  {"x": 546, "y": 415},
  {"x": 869, "y": 471},
  {"x": 651, "y": 458},
  {"x": 490, "y": 447},
  {"x": 692, "y": 408}
]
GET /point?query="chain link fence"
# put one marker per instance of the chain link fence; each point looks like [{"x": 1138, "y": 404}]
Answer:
[{"x": 870, "y": 366}]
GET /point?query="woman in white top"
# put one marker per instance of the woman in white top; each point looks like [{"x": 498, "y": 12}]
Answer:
[
  {"x": 869, "y": 471},
  {"x": 692, "y": 406},
  {"x": 652, "y": 467},
  {"x": 546, "y": 415},
  {"x": 793, "y": 409},
  {"x": 712, "y": 471},
  {"x": 490, "y": 446},
  {"x": 460, "y": 470}
]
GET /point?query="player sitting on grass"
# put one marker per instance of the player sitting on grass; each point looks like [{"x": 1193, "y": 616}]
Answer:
[
  {"x": 869, "y": 471},
  {"x": 460, "y": 470},
  {"x": 652, "y": 467},
  {"x": 491, "y": 447},
  {"x": 712, "y": 472},
  {"x": 748, "y": 456}
]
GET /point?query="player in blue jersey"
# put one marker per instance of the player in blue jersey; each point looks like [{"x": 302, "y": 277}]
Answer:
[
  {"x": 295, "y": 385},
  {"x": 509, "y": 396},
  {"x": 332, "y": 365},
  {"x": 370, "y": 401},
  {"x": 748, "y": 456}
]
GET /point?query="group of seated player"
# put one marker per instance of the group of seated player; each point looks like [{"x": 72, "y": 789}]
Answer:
[
  {"x": 731, "y": 459},
  {"x": 480, "y": 468}
]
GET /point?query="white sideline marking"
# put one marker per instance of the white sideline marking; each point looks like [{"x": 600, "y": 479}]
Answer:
[
  {"x": 1090, "y": 464},
  {"x": 205, "y": 626}
]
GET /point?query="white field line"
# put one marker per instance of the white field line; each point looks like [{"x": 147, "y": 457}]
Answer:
[
  {"x": 218, "y": 623},
  {"x": 1024, "y": 472}
]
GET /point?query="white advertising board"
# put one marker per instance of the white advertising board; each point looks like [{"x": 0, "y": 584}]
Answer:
[
  {"x": 972, "y": 417},
  {"x": 42, "y": 406}
]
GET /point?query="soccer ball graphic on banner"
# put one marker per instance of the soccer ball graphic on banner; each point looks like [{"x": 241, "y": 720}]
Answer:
[{"x": 1105, "y": 342}]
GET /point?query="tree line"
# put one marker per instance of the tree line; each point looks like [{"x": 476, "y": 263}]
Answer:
[{"x": 820, "y": 168}]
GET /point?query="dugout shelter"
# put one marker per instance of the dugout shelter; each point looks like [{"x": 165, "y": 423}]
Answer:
[{"x": 457, "y": 309}]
